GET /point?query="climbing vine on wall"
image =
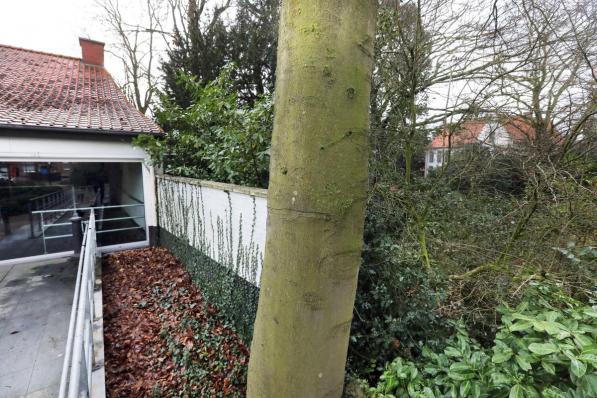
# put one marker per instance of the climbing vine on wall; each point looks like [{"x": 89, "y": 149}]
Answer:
[{"x": 213, "y": 244}]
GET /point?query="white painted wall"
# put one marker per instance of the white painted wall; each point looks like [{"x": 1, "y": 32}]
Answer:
[
  {"x": 195, "y": 209},
  {"x": 46, "y": 146},
  {"x": 494, "y": 135}
]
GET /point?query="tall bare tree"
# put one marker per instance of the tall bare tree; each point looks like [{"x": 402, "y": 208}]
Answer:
[
  {"x": 553, "y": 94},
  {"x": 435, "y": 60},
  {"x": 135, "y": 45}
]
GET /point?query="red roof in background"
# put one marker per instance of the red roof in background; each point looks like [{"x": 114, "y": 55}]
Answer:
[
  {"x": 520, "y": 130},
  {"x": 517, "y": 128},
  {"x": 40, "y": 90},
  {"x": 468, "y": 134}
]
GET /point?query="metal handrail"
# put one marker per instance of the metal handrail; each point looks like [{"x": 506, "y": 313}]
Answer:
[
  {"x": 78, "y": 358},
  {"x": 88, "y": 208},
  {"x": 44, "y": 227}
]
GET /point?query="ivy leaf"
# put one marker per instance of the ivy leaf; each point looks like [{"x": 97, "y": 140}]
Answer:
[{"x": 543, "y": 349}]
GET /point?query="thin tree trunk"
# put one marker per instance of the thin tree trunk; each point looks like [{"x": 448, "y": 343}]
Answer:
[{"x": 316, "y": 199}]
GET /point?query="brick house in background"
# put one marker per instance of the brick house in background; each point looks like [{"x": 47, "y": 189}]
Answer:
[
  {"x": 65, "y": 144},
  {"x": 488, "y": 133}
]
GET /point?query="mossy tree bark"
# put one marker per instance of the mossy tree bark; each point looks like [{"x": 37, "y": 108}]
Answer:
[{"x": 316, "y": 199}]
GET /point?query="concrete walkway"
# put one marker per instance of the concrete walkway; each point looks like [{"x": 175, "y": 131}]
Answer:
[{"x": 35, "y": 304}]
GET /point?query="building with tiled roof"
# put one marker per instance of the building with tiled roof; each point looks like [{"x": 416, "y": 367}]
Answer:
[
  {"x": 66, "y": 132},
  {"x": 488, "y": 133},
  {"x": 43, "y": 91}
]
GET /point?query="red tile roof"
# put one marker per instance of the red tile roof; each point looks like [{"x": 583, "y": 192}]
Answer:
[
  {"x": 517, "y": 128},
  {"x": 466, "y": 135},
  {"x": 520, "y": 130},
  {"x": 40, "y": 90}
]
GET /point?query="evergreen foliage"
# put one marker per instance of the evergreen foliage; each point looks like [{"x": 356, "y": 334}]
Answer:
[
  {"x": 202, "y": 48},
  {"x": 544, "y": 347},
  {"x": 215, "y": 137}
]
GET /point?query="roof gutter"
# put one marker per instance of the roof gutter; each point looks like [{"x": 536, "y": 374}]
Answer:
[{"x": 71, "y": 130}]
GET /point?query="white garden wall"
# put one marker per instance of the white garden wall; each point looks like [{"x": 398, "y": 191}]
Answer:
[{"x": 226, "y": 222}]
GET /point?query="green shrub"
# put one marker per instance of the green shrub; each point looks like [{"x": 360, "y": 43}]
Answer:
[
  {"x": 215, "y": 137},
  {"x": 545, "y": 347},
  {"x": 397, "y": 303}
]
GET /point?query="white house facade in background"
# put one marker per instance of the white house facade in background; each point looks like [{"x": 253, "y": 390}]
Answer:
[{"x": 487, "y": 133}]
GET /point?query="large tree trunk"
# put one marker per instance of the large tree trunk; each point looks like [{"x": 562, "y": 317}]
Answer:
[{"x": 316, "y": 199}]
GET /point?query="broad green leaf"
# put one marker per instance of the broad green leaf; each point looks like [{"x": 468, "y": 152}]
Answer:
[
  {"x": 592, "y": 312},
  {"x": 551, "y": 316},
  {"x": 516, "y": 391},
  {"x": 465, "y": 388},
  {"x": 520, "y": 325},
  {"x": 588, "y": 384},
  {"x": 549, "y": 367},
  {"x": 549, "y": 327},
  {"x": 501, "y": 356},
  {"x": 531, "y": 392},
  {"x": 452, "y": 352},
  {"x": 500, "y": 379},
  {"x": 543, "y": 348},
  {"x": 578, "y": 368},
  {"x": 428, "y": 393},
  {"x": 522, "y": 363},
  {"x": 588, "y": 358},
  {"x": 460, "y": 367},
  {"x": 553, "y": 392},
  {"x": 590, "y": 349},
  {"x": 582, "y": 341},
  {"x": 458, "y": 376},
  {"x": 516, "y": 315}
]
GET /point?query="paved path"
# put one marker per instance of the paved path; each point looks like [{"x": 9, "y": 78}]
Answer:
[{"x": 35, "y": 304}]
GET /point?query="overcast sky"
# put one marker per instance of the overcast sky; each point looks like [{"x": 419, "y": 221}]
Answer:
[{"x": 55, "y": 26}]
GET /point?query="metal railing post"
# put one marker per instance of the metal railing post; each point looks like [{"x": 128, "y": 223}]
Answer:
[
  {"x": 31, "y": 227},
  {"x": 77, "y": 234}
]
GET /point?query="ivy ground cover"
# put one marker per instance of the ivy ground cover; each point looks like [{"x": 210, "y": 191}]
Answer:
[{"x": 161, "y": 338}]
